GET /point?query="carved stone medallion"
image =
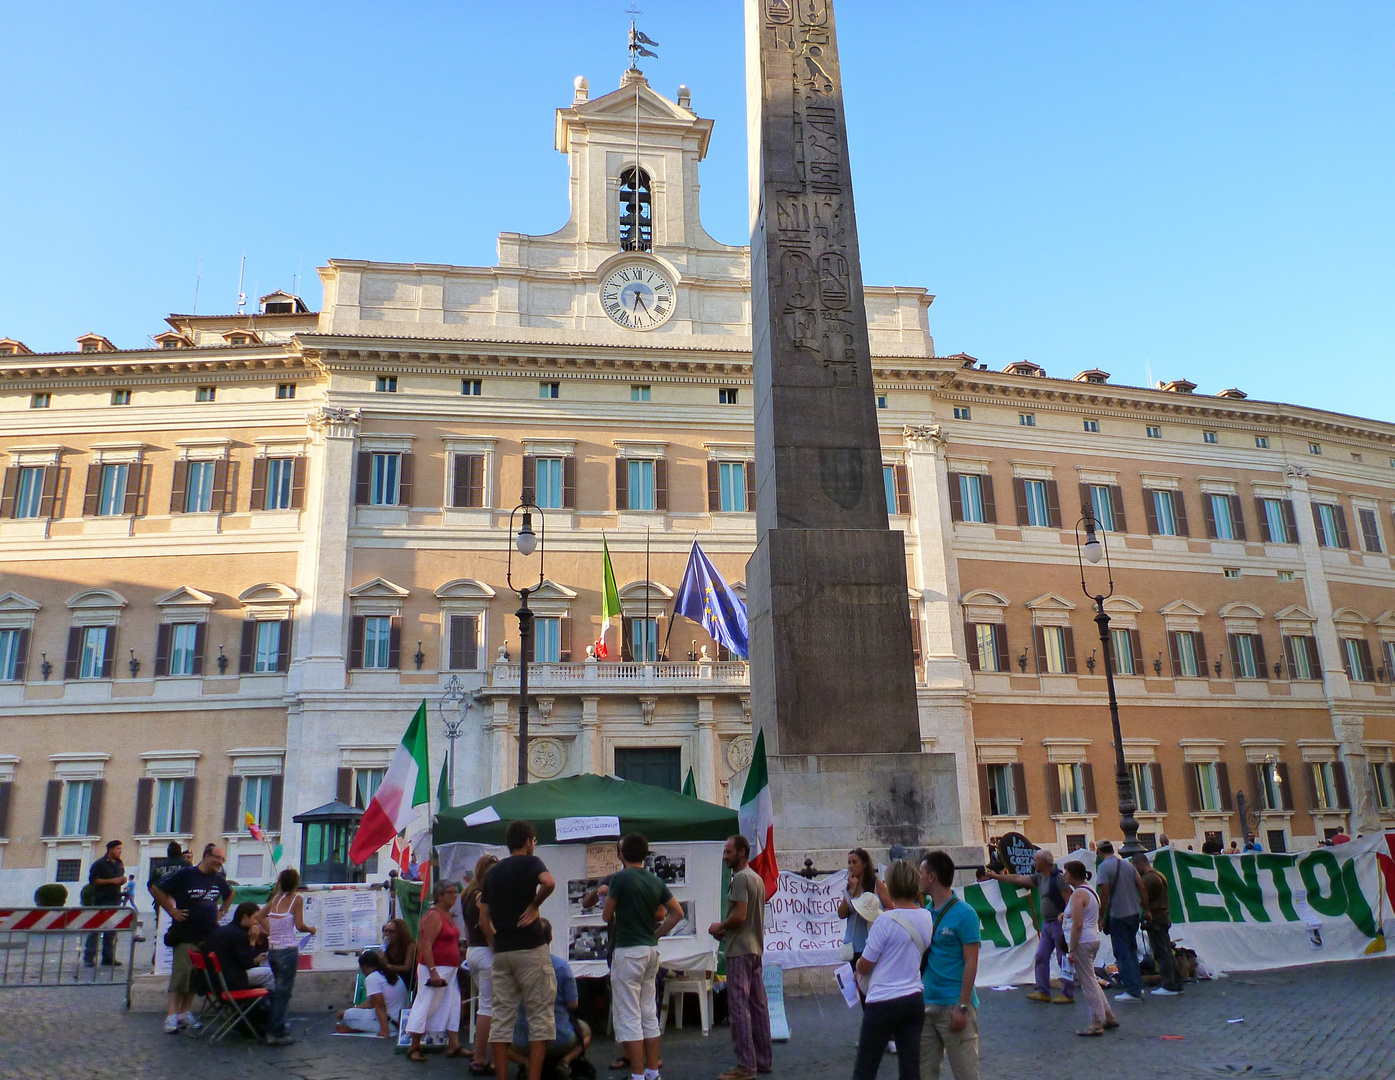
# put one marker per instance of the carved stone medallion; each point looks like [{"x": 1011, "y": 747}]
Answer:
[
  {"x": 740, "y": 751},
  {"x": 546, "y": 758}
]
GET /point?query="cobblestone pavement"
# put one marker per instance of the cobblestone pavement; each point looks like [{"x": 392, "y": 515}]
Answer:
[{"x": 1325, "y": 1021}]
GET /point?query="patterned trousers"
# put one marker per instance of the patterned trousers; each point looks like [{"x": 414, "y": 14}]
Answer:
[{"x": 750, "y": 1015}]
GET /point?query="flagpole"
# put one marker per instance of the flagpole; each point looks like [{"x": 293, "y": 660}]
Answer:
[{"x": 647, "y": 657}]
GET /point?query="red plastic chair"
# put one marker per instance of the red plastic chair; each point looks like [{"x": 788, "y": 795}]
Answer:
[{"x": 235, "y": 1005}]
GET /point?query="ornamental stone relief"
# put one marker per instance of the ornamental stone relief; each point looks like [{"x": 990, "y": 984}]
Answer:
[
  {"x": 740, "y": 751},
  {"x": 546, "y": 758}
]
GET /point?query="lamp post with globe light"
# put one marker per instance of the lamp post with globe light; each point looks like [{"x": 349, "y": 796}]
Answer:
[{"x": 527, "y": 542}]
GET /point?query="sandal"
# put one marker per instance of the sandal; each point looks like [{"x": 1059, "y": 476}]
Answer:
[
  {"x": 477, "y": 1069},
  {"x": 1108, "y": 1024},
  {"x": 416, "y": 1055},
  {"x": 1091, "y": 1032},
  {"x": 458, "y": 1052}
]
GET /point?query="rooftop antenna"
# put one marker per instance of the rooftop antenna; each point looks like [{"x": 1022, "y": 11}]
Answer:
[
  {"x": 638, "y": 41},
  {"x": 198, "y": 276},
  {"x": 241, "y": 296}
]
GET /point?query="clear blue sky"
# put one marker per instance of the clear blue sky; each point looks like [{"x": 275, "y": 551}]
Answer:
[{"x": 1205, "y": 188}]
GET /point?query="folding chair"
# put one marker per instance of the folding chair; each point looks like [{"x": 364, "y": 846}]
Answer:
[
  {"x": 211, "y": 1005},
  {"x": 237, "y": 1005}
]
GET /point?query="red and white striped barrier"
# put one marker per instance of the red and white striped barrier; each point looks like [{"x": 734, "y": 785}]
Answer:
[{"x": 87, "y": 920}]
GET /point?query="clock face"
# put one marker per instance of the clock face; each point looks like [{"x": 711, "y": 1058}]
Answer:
[{"x": 637, "y": 296}]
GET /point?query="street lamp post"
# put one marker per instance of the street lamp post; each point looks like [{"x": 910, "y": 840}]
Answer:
[
  {"x": 453, "y": 706},
  {"x": 526, "y": 541},
  {"x": 1094, "y": 549}
]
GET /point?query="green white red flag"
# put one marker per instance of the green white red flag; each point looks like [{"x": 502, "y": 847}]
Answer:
[
  {"x": 757, "y": 818},
  {"x": 406, "y": 786}
]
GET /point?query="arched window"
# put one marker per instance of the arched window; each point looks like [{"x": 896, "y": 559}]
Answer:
[{"x": 636, "y": 211}]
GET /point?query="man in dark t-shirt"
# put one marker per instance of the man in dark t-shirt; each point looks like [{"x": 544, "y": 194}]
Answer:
[
  {"x": 510, "y": 902},
  {"x": 107, "y": 876},
  {"x": 195, "y": 899}
]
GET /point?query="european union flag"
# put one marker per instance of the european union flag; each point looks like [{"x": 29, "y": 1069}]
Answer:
[{"x": 707, "y": 599}]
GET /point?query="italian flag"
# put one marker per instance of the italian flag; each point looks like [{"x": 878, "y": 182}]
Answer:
[
  {"x": 406, "y": 786},
  {"x": 757, "y": 818},
  {"x": 610, "y": 599}
]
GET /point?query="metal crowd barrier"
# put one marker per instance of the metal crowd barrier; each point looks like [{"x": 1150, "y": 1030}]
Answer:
[{"x": 43, "y": 947}]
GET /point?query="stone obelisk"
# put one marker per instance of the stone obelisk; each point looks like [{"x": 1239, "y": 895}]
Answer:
[{"x": 832, "y": 673}]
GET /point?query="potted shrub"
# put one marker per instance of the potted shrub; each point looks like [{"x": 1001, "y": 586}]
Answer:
[{"x": 51, "y": 895}]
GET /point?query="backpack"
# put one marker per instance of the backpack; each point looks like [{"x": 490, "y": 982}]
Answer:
[{"x": 1053, "y": 888}]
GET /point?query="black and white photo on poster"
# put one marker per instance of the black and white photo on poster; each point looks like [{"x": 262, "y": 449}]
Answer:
[
  {"x": 687, "y": 926},
  {"x": 672, "y": 870},
  {"x": 577, "y": 889},
  {"x": 587, "y": 943}
]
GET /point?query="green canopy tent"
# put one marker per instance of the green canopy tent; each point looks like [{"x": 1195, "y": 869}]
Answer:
[{"x": 661, "y": 815}]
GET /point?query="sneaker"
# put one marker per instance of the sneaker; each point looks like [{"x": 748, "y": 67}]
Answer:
[
  {"x": 279, "y": 1040},
  {"x": 1126, "y": 996},
  {"x": 1162, "y": 991},
  {"x": 172, "y": 1025},
  {"x": 188, "y": 1020},
  {"x": 891, "y": 1047},
  {"x": 1061, "y": 999},
  {"x": 1037, "y": 995}
]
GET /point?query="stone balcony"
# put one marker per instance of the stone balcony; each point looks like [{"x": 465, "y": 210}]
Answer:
[{"x": 626, "y": 677}]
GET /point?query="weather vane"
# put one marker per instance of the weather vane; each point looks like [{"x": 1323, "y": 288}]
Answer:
[{"x": 638, "y": 39}]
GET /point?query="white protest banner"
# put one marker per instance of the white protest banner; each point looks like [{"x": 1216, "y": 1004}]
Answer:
[
  {"x": 802, "y": 927},
  {"x": 579, "y": 828}
]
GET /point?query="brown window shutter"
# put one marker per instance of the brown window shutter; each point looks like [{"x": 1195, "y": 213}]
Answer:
[
  {"x": 405, "y": 470},
  {"x": 1193, "y": 792},
  {"x": 94, "y": 807},
  {"x": 1019, "y": 787},
  {"x": 457, "y": 643},
  {"x": 477, "y": 479},
  {"x": 1175, "y": 653},
  {"x": 956, "y": 503},
  {"x": 470, "y": 643},
  {"x": 990, "y": 507},
  {"x": 1317, "y": 526},
  {"x": 1343, "y": 537},
  {"x": 53, "y": 798},
  {"x": 249, "y": 646},
  {"x": 1209, "y": 512},
  {"x": 145, "y": 798},
  {"x": 1312, "y": 785},
  {"x": 179, "y": 486},
  {"x": 971, "y": 645},
  {"x": 109, "y": 657},
  {"x": 1346, "y": 659},
  {"x": 1136, "y": 646},
  {"x": 1223, "y": 782},
  {"x": 1285, "y": 785},
  {"x": 1159, "y": 792},
  {"x": 48, "y": 499},
  {"x": 661, "y": 484},
  {"x": 985, "y": 802},
  {"x": 356, "y": 632},
  {"x": 1000, "y": 648},
  {"x": 627, "y": 653},
  {"x": 1260, "y": 660},
  {"x": 1200, "y": 639},
  {"x": 1019, "y": 493},
  {"x": 232, "y": 805},
  {"x": 1087, "y": 776},
  {"x": 1370, "y": 535},
  {"x": 1263, "y": 518},
  {"x": 298, "y": 483},
  {"x": 200, "y": 644},
  {"x": 283, "y": 652},
  {"x": 186, "y": 811},
  {"x": 1339, "y": 774},
  {"x": 1086, "y": 502},
  {"x": 1040, "y": 634},
  {"x": 1368, "y": 670},
  {"x": 395, "y": 643},
  {"x": 74, "y": 659},
  {"x": 1237, "y": 515},
  {"x": 1116, "y": 503},
  {"x": 1288, "y": 656},
  {"x": 137, "y": 480},
  {"x": 748, "y": 471},
  {"x": 344, "y": 787},
  {"x": 569, "y": 482},
  {"x": 1179, "y": 511},
  {"x": 903, "y": 490},
  {"x": 258, "y": 501},
  {"x": 1150, "y": 511},
  {"x": 1070, "y": 650},
  {"x": 94, "y": 489},
  {"x": 218, "y": 503},
  {"x": 1234, "y": 655},
  {"x": 6, "y": 792},
  {"x": 714, "y": 487},
  {"x": 7, "y": 492},
  {"x": 915, "y": 637},
  {"x": 564, "y": 639},
  {"x": 1053, "y": 788},
  {"x": 21, "y": 656},
  {"x": 1290, "y": 522},
  {"x": 162, "y": 649},
  {"x": 363, "y": 479},
  {"x": 622, "y": 484},
  {"x": 530, "y": 473},
  {"x": 1314, "y": 661},
  {"x": 273, "y": 812},
  {"x": 1053, "y": 505},
  {"x": 460, "y": 487}
]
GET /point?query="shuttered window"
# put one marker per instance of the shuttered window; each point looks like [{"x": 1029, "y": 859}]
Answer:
[
  {"x": 13, "y": 647},
  {"x": 731, "y": 476},
  {"x": 111, "y": 497},
  {"x": 464, "y": 642},
  {"x": 1038, "y": 512},
  {"x": 94, "y": 650},
  {"x": 547, "y": 640},
  {"x": 77, "y": 807},
  {"x": 1208, "y": 787},
  {"x": 548, "y": 483},
  {"x": 1001, "y": 801},
  {"x": 1056, "y": 656},
  {"x": 30, "y": 492}
]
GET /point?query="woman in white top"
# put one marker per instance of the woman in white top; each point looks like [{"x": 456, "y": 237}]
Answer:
[
  {"x": 1081, "y": 925},
  {"x": 283, "y": 919},
  {"x": 386, "y": 998},
  {"x": 890, "y": 968}
]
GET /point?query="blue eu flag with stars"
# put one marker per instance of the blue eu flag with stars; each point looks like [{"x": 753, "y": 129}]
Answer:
[{"x": 708, "y": 600}]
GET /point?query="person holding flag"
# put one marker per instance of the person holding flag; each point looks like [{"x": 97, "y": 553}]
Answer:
[
  {"x": 706, "y": 599},
  {"x": 610, "y": 599},
  {"x": 406, "y": 786}
]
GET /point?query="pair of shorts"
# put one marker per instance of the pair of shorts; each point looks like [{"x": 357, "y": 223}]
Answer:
[
  {"x": 182, "y": 972},
  {"x": 480, "y": 959},
  {"x": 524, "y": 978}
]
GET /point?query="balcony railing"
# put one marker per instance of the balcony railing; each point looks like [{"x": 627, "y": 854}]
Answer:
[{"x": 626, "y": 675}]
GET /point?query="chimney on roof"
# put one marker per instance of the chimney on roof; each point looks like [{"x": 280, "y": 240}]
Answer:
[
  {"x": 1177, "y": 386},
  {"x": 1238, "y": 395},
  {"x": 1026, "y": 367}
]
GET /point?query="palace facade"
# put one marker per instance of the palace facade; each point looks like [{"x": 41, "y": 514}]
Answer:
[{"x": 234, "y": 560}]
